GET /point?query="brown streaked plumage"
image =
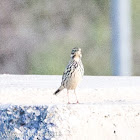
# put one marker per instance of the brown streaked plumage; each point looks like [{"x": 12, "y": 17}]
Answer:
[{"x": 73, "y": 73}]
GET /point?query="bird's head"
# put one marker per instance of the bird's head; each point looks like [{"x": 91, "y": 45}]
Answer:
[{"x": 76, "y": 53}]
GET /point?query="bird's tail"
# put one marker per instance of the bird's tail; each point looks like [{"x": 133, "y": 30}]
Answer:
[{"x": 59, "y": 89}]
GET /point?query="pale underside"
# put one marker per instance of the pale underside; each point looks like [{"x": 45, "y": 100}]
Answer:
[{"x": 74, "y": 80}]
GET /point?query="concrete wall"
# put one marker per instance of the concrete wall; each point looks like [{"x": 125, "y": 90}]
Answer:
[{"x": 109, "y": 109}]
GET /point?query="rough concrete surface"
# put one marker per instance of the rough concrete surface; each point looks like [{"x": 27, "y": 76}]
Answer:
[{"x": 109, "y": 109}]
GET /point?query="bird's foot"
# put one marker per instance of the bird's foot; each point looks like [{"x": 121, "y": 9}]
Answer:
[
  {"x": 77, "y": 102},
  {"x": 73, "y": 103}
]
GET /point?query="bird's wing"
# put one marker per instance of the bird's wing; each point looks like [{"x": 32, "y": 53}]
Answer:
[{"x": 69, "y": 70}]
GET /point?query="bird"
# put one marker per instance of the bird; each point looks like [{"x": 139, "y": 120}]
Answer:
[{"x": 73, "y": 73}]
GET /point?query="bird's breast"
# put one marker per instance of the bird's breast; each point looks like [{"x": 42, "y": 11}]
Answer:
[{"x": 74, "y": 79}]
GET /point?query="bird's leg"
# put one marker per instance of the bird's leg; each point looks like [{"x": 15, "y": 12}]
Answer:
[
  {"x": 68, "y": 96},
  {"x": 76, "y": 97}
]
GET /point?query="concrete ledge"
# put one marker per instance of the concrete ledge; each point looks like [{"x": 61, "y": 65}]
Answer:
[{"x": 109, "y": 109}]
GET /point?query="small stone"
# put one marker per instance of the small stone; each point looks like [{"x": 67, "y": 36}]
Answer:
[
  {"x": 37, "y": 112},
  {"x": 17, "y": 131}
]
